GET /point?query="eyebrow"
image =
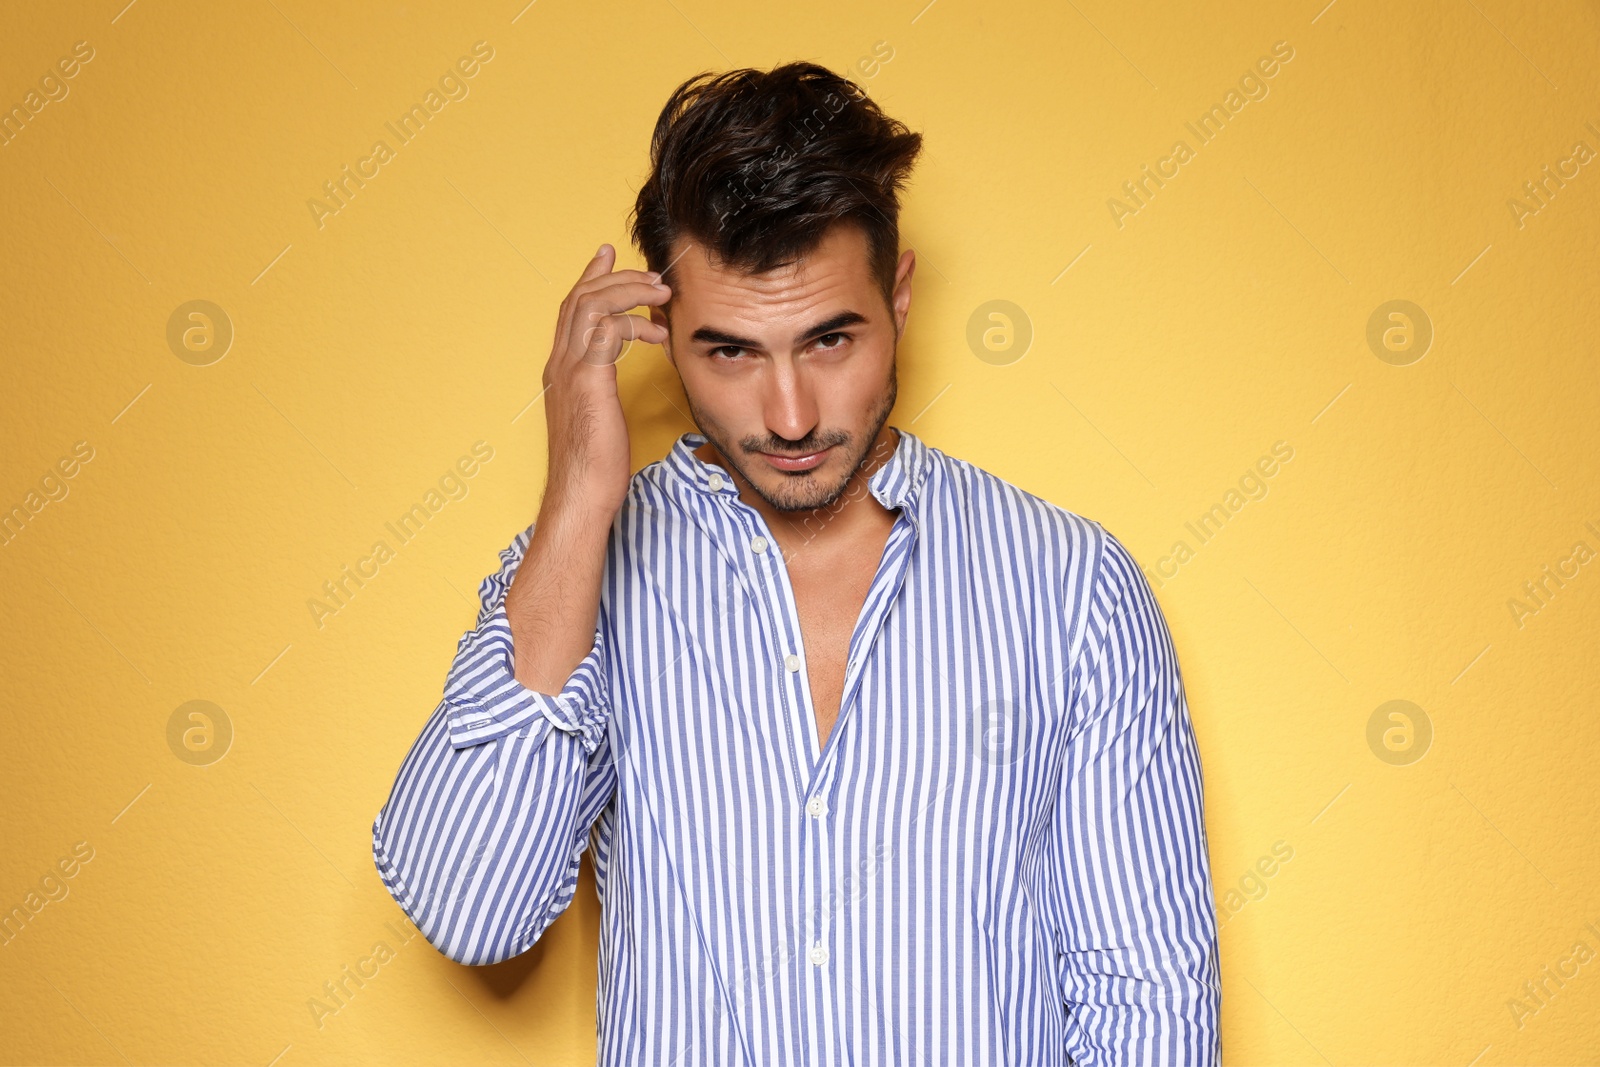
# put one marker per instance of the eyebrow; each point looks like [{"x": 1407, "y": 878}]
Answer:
[{"x": 709, "y": 335}]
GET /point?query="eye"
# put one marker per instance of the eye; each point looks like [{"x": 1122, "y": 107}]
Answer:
[
  {"x": 843, "y": 337},
  {"x": 732, "y": 350}
]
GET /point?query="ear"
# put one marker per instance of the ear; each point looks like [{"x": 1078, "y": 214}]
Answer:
[
  {"x": 902, "y": 289},
  {"x": 659, "y": 317}
]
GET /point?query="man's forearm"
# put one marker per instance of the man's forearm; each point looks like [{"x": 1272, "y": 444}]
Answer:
[
  {"x": 554, "y": 599},
  {"x": 480, "y": 836}
]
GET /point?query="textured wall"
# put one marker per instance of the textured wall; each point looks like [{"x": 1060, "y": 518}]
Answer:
[{"x": 1352, "y": 321}]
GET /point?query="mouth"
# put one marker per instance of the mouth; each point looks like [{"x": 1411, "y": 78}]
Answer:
[{"x": 797, "y": 463}]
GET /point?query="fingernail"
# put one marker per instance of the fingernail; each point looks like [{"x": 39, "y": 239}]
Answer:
[{"x": 599, "y": 251}]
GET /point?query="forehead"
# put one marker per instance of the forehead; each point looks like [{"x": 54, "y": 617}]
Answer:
[{"x": 836, "y": 271}]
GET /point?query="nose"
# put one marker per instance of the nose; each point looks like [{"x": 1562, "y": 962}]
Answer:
[{"x": 790, "y": 404}]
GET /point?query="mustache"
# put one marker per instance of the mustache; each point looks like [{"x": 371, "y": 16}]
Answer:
[{"x": 792, "y": 451}]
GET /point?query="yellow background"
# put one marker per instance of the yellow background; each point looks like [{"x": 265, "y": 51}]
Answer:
[{"x": 370, "y": 353}]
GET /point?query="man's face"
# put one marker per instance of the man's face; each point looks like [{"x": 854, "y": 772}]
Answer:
[{"x": 789, "y": 374}]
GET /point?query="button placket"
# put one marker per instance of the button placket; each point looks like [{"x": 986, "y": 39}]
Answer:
[
  {"x": 814, "y": 890},
  {"x": 783, "y": 621},
  {"x": 819, "y": 905}
]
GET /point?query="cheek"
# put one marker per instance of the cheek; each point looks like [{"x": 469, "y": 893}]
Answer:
[
  {"x": 862, "y": 377},
  {"x": 728, "y": 400}
]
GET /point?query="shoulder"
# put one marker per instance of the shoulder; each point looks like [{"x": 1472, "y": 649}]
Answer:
[
  {"x": 648, "y": 481},
  {"x": 656, "y": 491},
  {"x": 987, "y": 500},
  {"x": 1098, "y": 576}
]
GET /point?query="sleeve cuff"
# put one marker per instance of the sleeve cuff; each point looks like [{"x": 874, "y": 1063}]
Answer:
[{"x": 487, "y": 702}]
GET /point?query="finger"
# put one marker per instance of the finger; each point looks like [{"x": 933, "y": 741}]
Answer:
[
  {"x": 602, "y": 266},
  {"x": 603, "y": 259},
  {"x": 605, "y": 281},
  {"x": 609, "y": 338},
  {"x": 591, "y": 283},
  {"x": 611, "y": 300},
  {"x": 623, "y": 295},
  {"x": 599, "y": 264},
  {"x": 593, "y": 309}
]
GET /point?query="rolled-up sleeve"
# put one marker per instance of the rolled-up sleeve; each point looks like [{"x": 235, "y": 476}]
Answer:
[
  {"x": 486, "y": 701},
  {"x": 1128, "y": 883},
  {"x": 481, "y": 838}
]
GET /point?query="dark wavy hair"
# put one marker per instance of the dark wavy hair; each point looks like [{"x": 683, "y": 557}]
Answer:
[{"x": 758, "y": 165}]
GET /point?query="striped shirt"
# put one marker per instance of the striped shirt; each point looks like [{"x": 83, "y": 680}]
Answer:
[{"x": 997, "y": 857}]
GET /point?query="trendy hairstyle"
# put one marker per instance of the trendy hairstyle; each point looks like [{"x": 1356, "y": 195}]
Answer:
[{"x": 757, "y": 166}]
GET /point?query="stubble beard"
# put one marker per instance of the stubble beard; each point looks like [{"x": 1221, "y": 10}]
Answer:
[{"x": 799, "y": 491}]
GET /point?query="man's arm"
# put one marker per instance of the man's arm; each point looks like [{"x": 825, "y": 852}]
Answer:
[
  {"x": 1129, "y": 879},
  {"x": 481, "y": 837}
]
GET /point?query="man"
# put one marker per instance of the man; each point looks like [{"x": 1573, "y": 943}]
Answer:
[{"x": 880, "y": 759}]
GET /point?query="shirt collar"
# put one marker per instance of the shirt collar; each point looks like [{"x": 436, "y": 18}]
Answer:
[{"x": 894, "y": 485}]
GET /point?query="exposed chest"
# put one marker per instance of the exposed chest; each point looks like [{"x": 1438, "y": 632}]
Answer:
[{"x": 828, "y": 599}]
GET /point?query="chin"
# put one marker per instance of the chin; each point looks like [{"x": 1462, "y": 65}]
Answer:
[{"x": 803, "y": 491}]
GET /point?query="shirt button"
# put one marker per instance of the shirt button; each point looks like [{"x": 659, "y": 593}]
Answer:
[
  {"x": 792, "y": 661},
  {"x": 758, "y": 545},
  {"x": 816, "y": 807},
  {"x": 715, "y": 481},
  {"x": 819, "y": 953}
]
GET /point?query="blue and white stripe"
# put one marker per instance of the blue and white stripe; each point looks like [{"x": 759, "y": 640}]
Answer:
[{"x": 999, "y": 856}]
